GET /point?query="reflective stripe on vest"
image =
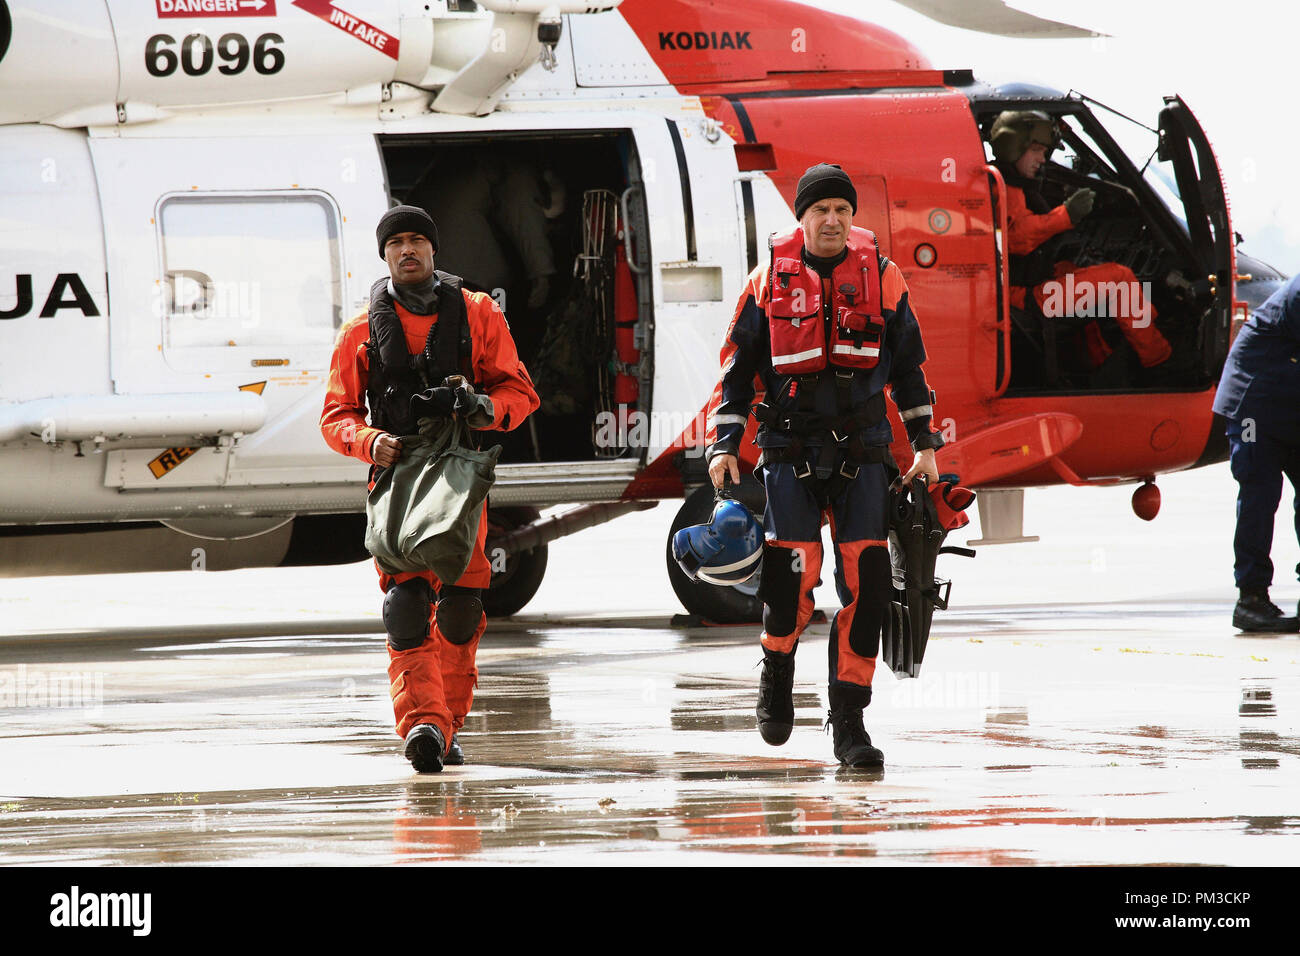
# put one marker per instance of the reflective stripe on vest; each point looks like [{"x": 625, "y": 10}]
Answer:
[
  {"x": 781, "y": 362},
  {"x": 850, "y": 350},
  {"x": 796, "y": 313}
]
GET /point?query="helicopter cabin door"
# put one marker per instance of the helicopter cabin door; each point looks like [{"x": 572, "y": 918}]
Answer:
[
  {"x": 695, "y": 259},
  {"x": 230, "y": 268}
]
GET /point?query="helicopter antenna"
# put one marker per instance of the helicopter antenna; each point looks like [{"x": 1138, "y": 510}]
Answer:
[{"x": 1110, "y": 109}]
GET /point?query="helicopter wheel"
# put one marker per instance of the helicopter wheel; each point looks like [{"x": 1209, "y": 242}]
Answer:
[{"x": 514, "y": 585}]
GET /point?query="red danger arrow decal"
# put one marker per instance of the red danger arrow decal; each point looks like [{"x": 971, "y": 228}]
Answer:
[
  {"x": 214, "y": 8},
  {"x": 353, "y": 26}
]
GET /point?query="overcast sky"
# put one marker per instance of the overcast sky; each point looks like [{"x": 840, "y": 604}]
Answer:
[{"x": 1234, "y": 63}]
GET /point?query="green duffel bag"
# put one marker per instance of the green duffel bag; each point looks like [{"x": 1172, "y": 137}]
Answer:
[{"x": 423, "y": 512}]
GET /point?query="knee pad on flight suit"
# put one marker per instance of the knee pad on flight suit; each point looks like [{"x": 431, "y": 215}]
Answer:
[
  {"x": 406, "y": 614},
  {"x": 459, "y": 613},
  {"x": 778, "y": 589},
  {"x": 875, "y": 591}
]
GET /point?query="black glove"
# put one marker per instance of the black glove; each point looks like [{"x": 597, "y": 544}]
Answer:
[
  {"x": 1079, "y": 204},
  {"x": 437, "y": 402},
  {"x": 464, "y": 402}
]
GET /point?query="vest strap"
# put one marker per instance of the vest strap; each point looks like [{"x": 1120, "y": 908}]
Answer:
[{"x": 395, "y": 374}]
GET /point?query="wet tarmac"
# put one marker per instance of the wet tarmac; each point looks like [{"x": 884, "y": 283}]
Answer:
[
  {"x": 1068, "y": 734},
  {"x": 1086, "y": 701}
]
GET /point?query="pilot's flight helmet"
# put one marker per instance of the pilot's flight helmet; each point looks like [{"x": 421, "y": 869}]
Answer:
[
  {"x": 1014, "y": 130},
  {"x": 726, "y": 550}
]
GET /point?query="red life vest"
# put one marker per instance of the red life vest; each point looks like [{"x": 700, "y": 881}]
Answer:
[{"x": 795, "y": 311}]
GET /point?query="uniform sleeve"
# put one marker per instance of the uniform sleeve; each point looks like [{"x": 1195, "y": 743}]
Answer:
[
  {"x": 343, "y": 418},
  {"x": 1289, "y": 322},
  {"x": 907, "y": 381},
  {"x": 1029, "y": 230},
  {"x": 497, "y": 367},
  {"x": 744, "y": 349}
]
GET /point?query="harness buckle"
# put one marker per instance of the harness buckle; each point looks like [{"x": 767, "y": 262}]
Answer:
[
  {"x": 807, "y": 468},
  {"x": 849, "y": 475}
]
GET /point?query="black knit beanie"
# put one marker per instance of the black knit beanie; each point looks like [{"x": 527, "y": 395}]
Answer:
[
  {"x": 406, "y": 219},
  {"x": 823, "y": 181}
]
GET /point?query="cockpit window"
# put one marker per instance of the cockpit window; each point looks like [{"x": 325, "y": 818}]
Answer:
[
  {"x": 1081, "y": 153},
  {"x": 1140, "y": 143},
  {"x": 1106, "y": 174}
]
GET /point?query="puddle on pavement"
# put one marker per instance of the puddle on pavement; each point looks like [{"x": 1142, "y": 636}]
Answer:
[{"x": 581, "y": 751}]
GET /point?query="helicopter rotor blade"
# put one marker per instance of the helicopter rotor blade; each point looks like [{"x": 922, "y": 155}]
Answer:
[{"x": 994, "y": 16}]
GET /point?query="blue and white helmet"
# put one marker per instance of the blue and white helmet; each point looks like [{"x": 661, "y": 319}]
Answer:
[{"x": 727, "y": 550}]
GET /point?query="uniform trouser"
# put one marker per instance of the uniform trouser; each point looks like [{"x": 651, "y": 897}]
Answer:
[
  {"x": 792, "y": 559},
  {"x": 434, "y": 682},
  {"x": 1258, "y": 466},
  {"x": 1107, "y": 288}
]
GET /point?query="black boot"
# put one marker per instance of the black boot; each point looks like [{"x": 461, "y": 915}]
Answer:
[
  {"x": 1255, "y": 613},
  {"x": 852, "y": 743},
  {"x": 775, "y": 709},
  {"x": 424, "y": 748},
  {"x": 455, "y": 756}
]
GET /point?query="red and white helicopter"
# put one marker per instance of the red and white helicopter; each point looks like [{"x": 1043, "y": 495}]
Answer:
[{"x": 189, "y": 208}]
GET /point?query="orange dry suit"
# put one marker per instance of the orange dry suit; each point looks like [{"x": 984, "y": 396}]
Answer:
[
  {"x": 824, "y": 338},
  {"x": 432, "y": 681},
  {"x": 1060, "y": 288}
]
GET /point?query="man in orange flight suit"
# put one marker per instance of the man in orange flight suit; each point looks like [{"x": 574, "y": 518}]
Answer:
[
  {"x": 1021, "y": 143},
  {"x": 447, "y": 331}
]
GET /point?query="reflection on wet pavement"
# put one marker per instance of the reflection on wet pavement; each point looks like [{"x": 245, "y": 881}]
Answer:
[{"x": 1066, "y": 735}]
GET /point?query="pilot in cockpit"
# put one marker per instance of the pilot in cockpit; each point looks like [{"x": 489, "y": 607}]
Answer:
[{"x": 1022, "y": 141}]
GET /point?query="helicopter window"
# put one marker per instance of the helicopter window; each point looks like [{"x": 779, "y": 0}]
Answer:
[
  {"x": 1160, "y": 175},
  {"x": 1122, "y": 235},
  {"x": 249, "y": 270},
  {"x": 1079, "y": 153},
  {"x": 1140, "y": 143}
]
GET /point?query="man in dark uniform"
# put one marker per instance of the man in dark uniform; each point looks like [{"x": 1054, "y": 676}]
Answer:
[
  {"x": 1259, "y": 395},
  {"x": 825, "y": 325}
]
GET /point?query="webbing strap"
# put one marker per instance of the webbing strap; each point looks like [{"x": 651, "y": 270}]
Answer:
[
  {"x": 396, "y": 375},
  {"x": 386, "y": 328}
]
